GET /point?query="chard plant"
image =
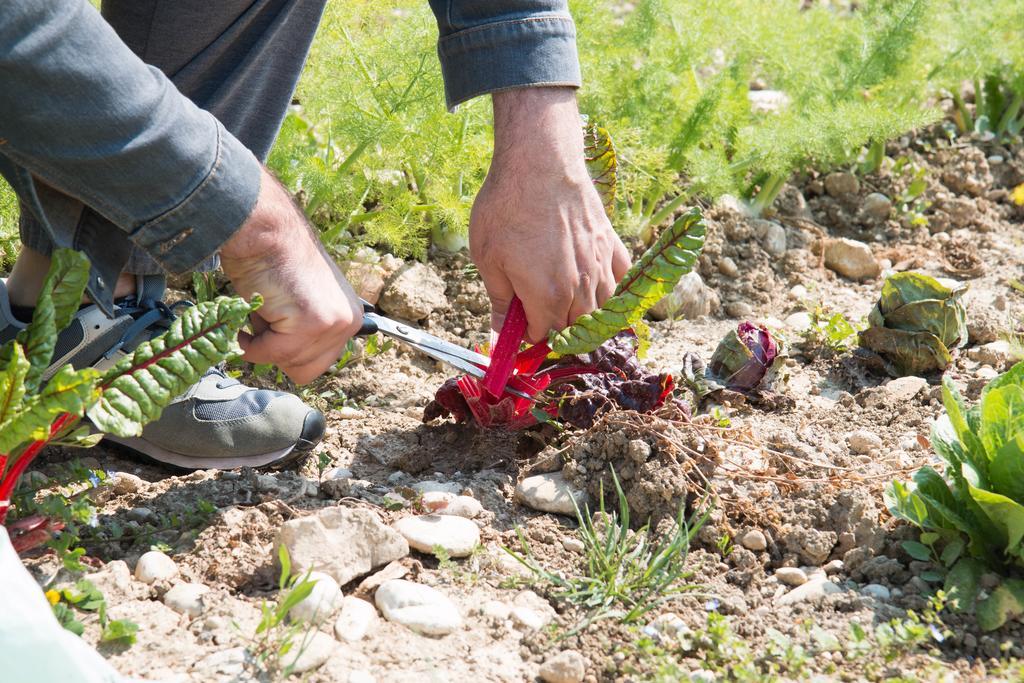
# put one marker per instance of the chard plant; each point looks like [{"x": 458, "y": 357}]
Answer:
[
  {"x": 35, "y": 411},
  {"x": 915, "y": 324},
  {"x": 587, "y": 368},
  {"x": 972, "y": 514}
]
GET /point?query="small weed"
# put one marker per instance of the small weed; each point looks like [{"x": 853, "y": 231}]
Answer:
[
  {"x": 829, "y": 329},
  {"x": 626, "y": 573},
  {"x": 85, "y": 597},
  {"x": 275, "y": 638},
  {"x": 725, "y": 545}
]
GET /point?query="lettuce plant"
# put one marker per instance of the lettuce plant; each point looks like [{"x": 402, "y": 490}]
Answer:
[
  {"x": 34, "y": 412},
  {"x": 915, "y": 323},
  {"x": 975, "y": 509},
  {"x": 587, "y": 368}
]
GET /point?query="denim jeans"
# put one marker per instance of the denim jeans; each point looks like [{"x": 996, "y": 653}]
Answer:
[{"x": 138, "y": 139}]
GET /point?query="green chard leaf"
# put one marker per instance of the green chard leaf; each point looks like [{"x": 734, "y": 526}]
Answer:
[
  {"x": 55, "y": 308},
  {"x": 12, "y": 381},
  {"x": 650, "y": 278},
  {"x": 1005, "y": 603},
  {"x": 963, "y": 582},
  {"x": 602, "y": 163},
  {"x": 68, "y": 391},
  {"x": 135, "y": 390}
]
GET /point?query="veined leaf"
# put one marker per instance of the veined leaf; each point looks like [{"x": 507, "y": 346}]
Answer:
[
  {"x": 12, "y": 381},
  {"x": 650, "y": 278},
  {"x": 1007, "y": 468},
  {"x": 55, "y": 307},
  {"x": 68, "y": 391},
  {"x": 962, "y": 582},
  {"x": 1006, "y": 514},
  {"x": 961, "y": 419},
  {"x": 1002, "y": 417},
  {"x": 135, "y": 390},
  {"x": 1005, "y": 603},
  {"x": 601, "y": 163}
]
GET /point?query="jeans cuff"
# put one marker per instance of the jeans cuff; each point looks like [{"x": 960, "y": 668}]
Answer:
[
  {"x": 215, "y": 209},
  {"x": 536, "y": 51}
]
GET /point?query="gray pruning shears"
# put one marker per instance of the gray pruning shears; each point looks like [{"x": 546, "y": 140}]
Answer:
[{"x": 469, "y": 362}]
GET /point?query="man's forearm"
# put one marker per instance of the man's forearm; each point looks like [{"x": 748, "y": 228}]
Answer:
[{"x": 88, "y": 117}]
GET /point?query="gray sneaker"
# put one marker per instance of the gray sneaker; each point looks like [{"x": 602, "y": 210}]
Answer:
[{"x": 218, "y": 423}]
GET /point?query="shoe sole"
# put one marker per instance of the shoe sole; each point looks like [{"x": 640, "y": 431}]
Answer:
[{"x": 313, "y": 428}]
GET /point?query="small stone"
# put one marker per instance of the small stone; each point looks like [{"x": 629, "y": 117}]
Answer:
[
  {"x": 366, "y": 278},
  {"x": 531, "y": 611},
  {"x": 141, "y": 514},
  {"x": 997, "y": 354},
  {"x": 360, "y": 676},
  {"x": 754, "y": 540},
  {"x": 767, "y": 101},
  {"x": 340, "y": 541},
  {"x": 833, "y": 567},
  {"x": 186, "y": 598},
  {"x": 851, "y": 259},
  {"x": 771, "y": 235},
  {"x": 863, "y": 441},
  {"x": 124, "y": 483},
  {"x": 155, "y": 566},
  {"x": 986, "y": 373},
  {"x": 876, "y": 206},
  {"x": 312, "y": 649},
  {"x": 431, "y": 485},
  {"x": 739, "y": 309},
  {"x": 456, "y": 535},
  {"x": 444, "y": 503},
  {"x": 495, "y": 609},
  {"x": 904, "y": 389},
  {"x": 413, "y": 292},
  {"x": 529, "y": 619},
  {"x": 336, "y": 473},
  {"x": 420, "y": 608},
  {"x": 357, "y": 619},
  {"x": 799, "y": 321},
  {"x": 348, "y": 413},
  {"x": 876, "y": 591},
  {"x": 550, "y": 493},
  {"x": 812, "y": 591},
  {"x": 689, "y": 299},
  {"x": 727, "y": 267},
  {"x": 840, "y": 183},
  {"x": 568, "y": 666},
  {"x": 322, "y": 601},
  {"x": 791, "y": 576},
  {"x": 573, "y": 545},
  {"x": 798, "y": 292}
]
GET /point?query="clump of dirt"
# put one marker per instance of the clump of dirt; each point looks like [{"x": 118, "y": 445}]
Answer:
[{"x": 662, "y": 462}]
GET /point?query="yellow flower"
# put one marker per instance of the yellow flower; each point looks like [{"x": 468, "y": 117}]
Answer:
[
  {"x": 1018, "y": 195},
  {"x": 53, "y": 596}
]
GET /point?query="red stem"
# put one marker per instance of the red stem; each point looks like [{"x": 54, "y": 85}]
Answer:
[{"x": 9, "y": 480}]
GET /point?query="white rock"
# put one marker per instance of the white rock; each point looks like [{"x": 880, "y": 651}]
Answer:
[
  {"x": 767, "y": 101},
  {"x": 337, "y": 473},
  {"x": 186, "y": 598},
  {"x": 413, "y": 292},
  {"x": 833, "y": 567},
  {"x": 322, "y": 601},
  {"x": 863, "y": 441},
  {"x": 420, "y": 608},
  {"x": 348, "y": 413},
  {"x": 876, "y": 206},
  {"x": 573, "y": 545},
  {"x": 904, "y": 389},
  {"x": 812, "y": 591},
  {"x": 771, "y": 235},
  {"x": 495, "y": 609},
  {"x": 550, "y": 493},
  {"x": 311, "y": 649},
  {"x": 799, "y": 321},
  {"x": 689, "y": 299},
  {"x": 798, "y": 292},
  {"x": 986, "y": 372},
  {"x": 754, "y": 540},
  {"x": 739, "y": 309},
  {"x": 791, "y": 576},
  {"x": 358, "y": 618},
  {"x": 155, "y": 566},
  {"x": 851, "y": 259},
  {"x": 728, "y": 267},
  {"x": 340, "y": 541},
  {"x": 876, "y": 591},
  {"x": 456, "y": 535},
  {"x": 841, "y": 183},
  {"x": 360, "y": 676},
  {"x": 997, "y": 354},
  {"x": 431, "y": 485},
  {"x": 567, "y": 666},
  {"x": 444, "y": 503},
  {"x": 531, "y": 611},
  {"x": 529, "y": 619},
  {"x": 123, "y": 483}
]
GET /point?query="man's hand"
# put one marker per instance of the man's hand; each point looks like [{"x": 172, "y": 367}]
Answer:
[
  {"x": 309, "y": 310},
  {"x": 538, "y": 229}
]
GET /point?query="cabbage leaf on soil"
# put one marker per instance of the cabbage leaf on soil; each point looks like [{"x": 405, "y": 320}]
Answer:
[{"x": 915, "y": 323}]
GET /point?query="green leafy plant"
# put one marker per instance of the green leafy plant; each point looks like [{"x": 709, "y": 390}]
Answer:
[
  {"x": 275, "y": 638},
  {"x": 651, "y": 278},
  {"x": 627, "y": 573},
  {"x": 85, "y": 597},
  {"x": 829, "y": 329},
  {"x": 915, "y": 323},
  {"x": 998, "y": 103},
  {"x": 36, "y": 410},
  {"x": 975, "y": 509}
]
